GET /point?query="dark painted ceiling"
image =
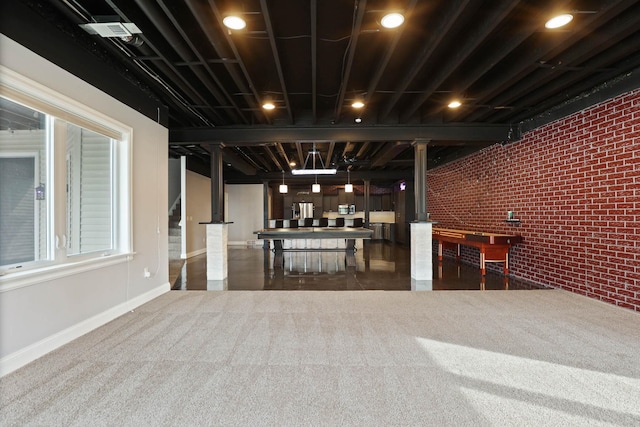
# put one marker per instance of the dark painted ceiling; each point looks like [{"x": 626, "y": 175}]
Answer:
[{"x": 313, "y": 58}]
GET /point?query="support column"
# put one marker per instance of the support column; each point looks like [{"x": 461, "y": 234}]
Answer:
[
  {"x": 367, "y": 189},
  {"x": 421, "y": 229},
  {"x": 421, "y": 251},
  {"x": 265, "y": 210},
  {"x": 217, "y": 238},
  {"x": 217, "y": 229},
  {"x": 420, "y": 179},
  {"x": 217, "y": 184}
]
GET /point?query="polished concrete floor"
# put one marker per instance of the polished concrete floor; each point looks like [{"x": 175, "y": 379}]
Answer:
[{"x": 379, "y": 266}]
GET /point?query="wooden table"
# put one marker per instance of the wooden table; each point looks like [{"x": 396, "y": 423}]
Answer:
[
  {"x": 278, "y": 235},
  {"x": 493, "y": 247}
]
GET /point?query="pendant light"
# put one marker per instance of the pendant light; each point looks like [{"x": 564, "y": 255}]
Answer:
[
  {"x": 313, "y": 171},
  {"x": 283, "y": 186},
  {"x": 315, "y": 188},
  {"x": 348, "y": 187}
]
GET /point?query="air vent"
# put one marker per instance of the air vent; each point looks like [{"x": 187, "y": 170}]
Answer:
[{"x": 111, "y": 29}]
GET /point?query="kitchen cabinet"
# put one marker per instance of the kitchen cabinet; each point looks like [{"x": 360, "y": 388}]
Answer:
[{"x": 386, "y": 202}]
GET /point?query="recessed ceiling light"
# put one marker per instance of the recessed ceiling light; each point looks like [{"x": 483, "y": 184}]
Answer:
[
  {"x": 268, "y": 105},
  {"x": 559, "y": 21},
  {"x": 358, "y": 120},
  {"x": 234, "y": 22},
  {"x": 392, "y": 20},
  {"x": 357, "y": 104},
  {"x": 454, "y": 104}
]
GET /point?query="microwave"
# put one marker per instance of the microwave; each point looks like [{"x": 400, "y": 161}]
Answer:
[{"x": 346, "y": 209}]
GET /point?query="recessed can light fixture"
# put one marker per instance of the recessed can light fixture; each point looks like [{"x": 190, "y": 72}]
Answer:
[
  {"x": 559, "y": 21},
  {"x": 392, "y": 20},
  {"x": 454, "y": 104},
  {"x": 357, "y": 104},
  {"x": 234, "y": 22}
]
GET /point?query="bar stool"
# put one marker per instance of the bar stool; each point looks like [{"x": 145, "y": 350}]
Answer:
[
  {"x": 279, "y": 223},
  {"x": 323, "y": 222},
  {"x": 293, "y": 223},
  {"x": 358, "y": 222},
  {"x": 339, "y": 222},
  {"x": 308, "y": 222}
]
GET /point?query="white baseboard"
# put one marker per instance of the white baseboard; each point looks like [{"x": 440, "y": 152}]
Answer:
[{"x": 30, "y": 353}]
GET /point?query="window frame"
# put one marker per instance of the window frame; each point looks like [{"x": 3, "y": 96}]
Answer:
[{"x": 60, "y": 109}]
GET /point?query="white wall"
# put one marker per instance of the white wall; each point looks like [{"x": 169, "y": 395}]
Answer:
[
  {"x": 244, "y": 208},
  {"x": 197, "y": 201},
  {"x": 38, "y": 317}
]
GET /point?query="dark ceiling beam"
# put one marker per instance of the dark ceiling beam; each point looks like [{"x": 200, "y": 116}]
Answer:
[
  {"x": 363, "y": 149},
  {"x": 241, "y": 63},
  {"x": 259, "y": 135},
  {"x": 314, "y": 61},
  {"x": 617, "y": 46},
  {"x": 172, "y": 81},
  {"x": 202, "y": 13},
  {"x": 235, "y": 161},
  {"x": 242, "y": 154},
  {"x": 301, "y": 158},
  {"x": 569, "y": 90},
  {"x": 391, "y": 49},
  {"x": 332, "y": 146},
  {"x": 473, "y": 39},
  {"x": 525, "y": 65},
  {"x": 83, "y": 55},
  {"x": 166, "y": 24},
  {"x": 484, "y": 63},
  {"x": 389, "y": 152},
  {"x": 438, "y": 34},
  {"x": 276, "y": 57},
  {"x": 256, "y": 155},
  {"x": 630, "y": 81},
  {"x": 274, "y": 159},
  {"x": 232, "y": 177},
  {"x": 283, "y": 154},
  {"x": 353, "y": 44},
  {"x": 348, "y": 148},
  {"x": 218, "y": 91}
]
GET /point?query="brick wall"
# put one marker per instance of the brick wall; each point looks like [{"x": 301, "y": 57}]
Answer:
[{"x": 575, "y": 186}]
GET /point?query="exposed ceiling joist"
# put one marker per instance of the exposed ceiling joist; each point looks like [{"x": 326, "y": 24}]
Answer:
[
  {"x": 259, "y": 134},
  {"x": 235, "y": 161},
  {"x": 389, "y": 153},
  {"x": 206, "y": 82}
]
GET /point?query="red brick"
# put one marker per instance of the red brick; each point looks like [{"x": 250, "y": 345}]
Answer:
[{"x": 575, "y": 185}]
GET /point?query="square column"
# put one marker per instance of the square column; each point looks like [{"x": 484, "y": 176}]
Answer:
[
  {"x": 217, "y": 239},
  {"x": 421, "y": 251}
]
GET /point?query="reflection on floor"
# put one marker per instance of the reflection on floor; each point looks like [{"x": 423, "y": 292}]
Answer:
[{"x": 379, "y": 266}]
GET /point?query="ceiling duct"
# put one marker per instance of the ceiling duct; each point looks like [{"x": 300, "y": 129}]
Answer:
[{"x": 112, "y": 29}]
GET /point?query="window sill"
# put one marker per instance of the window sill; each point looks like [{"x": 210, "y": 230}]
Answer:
[{"x": 14, "y": 279}]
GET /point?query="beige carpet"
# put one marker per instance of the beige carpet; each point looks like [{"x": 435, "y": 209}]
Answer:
[{"x": 342, "y": 358}]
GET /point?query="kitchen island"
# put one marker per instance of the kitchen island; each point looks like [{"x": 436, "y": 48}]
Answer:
[{"x": 313, "y": 239}]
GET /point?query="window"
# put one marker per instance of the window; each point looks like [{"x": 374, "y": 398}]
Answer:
[
  {"x": 89, "y": 191},
  {"x": 24, "y": 210},
  {"x": 64, "y": 181}
]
